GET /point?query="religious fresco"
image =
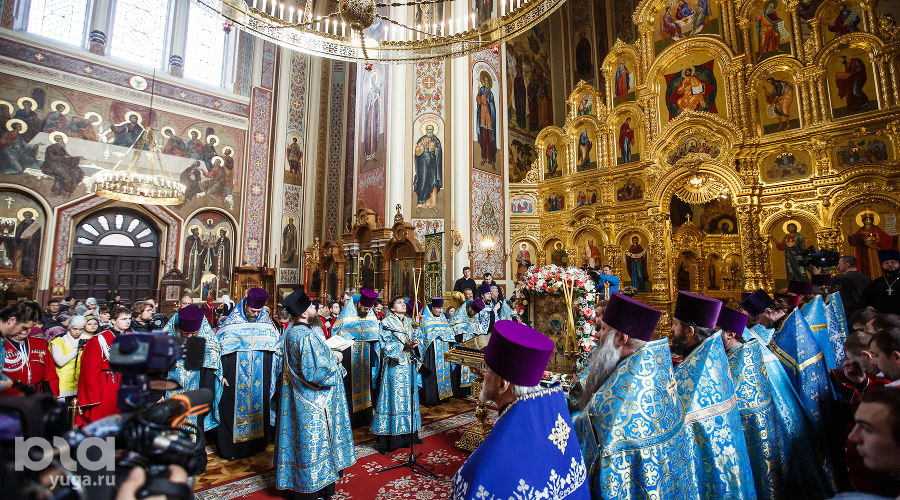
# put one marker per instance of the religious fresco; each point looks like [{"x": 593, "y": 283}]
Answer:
[
  {"x": 624, "y": 80},
  {"x": 522, "y": 205},
  {"x": 585, "y": 148},
  {"x": 873, "y": 149},
  {"x": 627, "y": 136},
  {"x": 485, "y": 119},
  {"x": 22, "y": 222},
  {"x": 293, "y": 169},
  {"x": 679, "y": 19},
  {"x": 521, "y": 155},
  {"x": 788, "y": 239},
  {"x": 713, "y": 217},
  {"x": 840, "y": 18},
  {"x": 694, "y": 145},
  {"x": 289, "y": 256},
  {"x": 786, "y": 165},
  {"x": 585, "y": 104},
  {"x": 372, "y": 108},
  {"x": 588, "y": 243},
  {"x": 636, "y": 251},
  {"x": 529, "y": 81},
  {"x": 208, "y": 257},
  {"x": 693, "y": 84},
  {"x": 586, "y": 197},
  {"x": 779, "y": 104},
  {"x": 60, "y": 139},
  {"x": 851, "y": 83},
  {"x": 434, "y": 269},
  {"x": 488, "y": 219},
  {"x": 556, "y": 253},
  {"x": 428, "y": 167},
  {"x": 769, "y": 33},
  {"x": 866, "y": 230},
  {"x": 555, "y": 202},
  {"x": 523, "y": 256},
  {"x": 623, "y": 25},
  {"x": 554, "y": 158},
  {"x": 631, "y": 189},
  {"x": 584, "y": 67},
  {"x": 723, "y": 274}
]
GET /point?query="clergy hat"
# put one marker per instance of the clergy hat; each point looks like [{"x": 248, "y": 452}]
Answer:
[
  {"x": 411, "y": 304},
  {"x": 477, "y": 304},
  {"x": 297, "y": 302},
  {"x": 885, "y": 255},
  {"x": 821, "y": 279},
  {"x": 732, "y": 321},
  {"x": 696, "y": 309},
  {"x": 800, "y": 287},
  {"x": 190, "y": 318},
  {"x": 437, "y": 302},
  {"x": 484, "y": 288},
  {"x": 744, "y": 295},
  {"x": 757, "y": 303},
  {"x": 257, "y": 297},
  {"x": 518, "y": 353},
  {"x": 792, "y": 300},
  {"x": 368, "y": 297},
  {"x": 630, "y": 316}
]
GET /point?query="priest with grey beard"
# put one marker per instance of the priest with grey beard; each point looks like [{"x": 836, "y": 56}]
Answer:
[{"x": 629, "y": 421}]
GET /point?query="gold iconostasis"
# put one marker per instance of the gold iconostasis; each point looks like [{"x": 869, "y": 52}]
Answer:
[{"x": 728, "y": 138}]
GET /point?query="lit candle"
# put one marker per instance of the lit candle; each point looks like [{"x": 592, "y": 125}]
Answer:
[
  {"x": 291, "y": 15},
  {"x": 344, "y": 29},
  {"x": 263, "y": 8},
  {"x": 281, "y": 11},
  {"x": 274, "y": 7},
  {"x": 473, "y": 21},
  {"x": 255, "y": 3}
]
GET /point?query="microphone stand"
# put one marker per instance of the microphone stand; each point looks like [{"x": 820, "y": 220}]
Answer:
[{"x": 411, "y": 458}]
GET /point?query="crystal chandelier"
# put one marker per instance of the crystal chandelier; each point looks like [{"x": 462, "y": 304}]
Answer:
[
  {"x": 345, "y": 27},
  {"x": 147, "y": 179}
]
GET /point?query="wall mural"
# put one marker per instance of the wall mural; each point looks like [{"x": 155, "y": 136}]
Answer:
[
  {"x": 208, "y": 255},
  {"x": 692, "y": 86},
  {"x": 769, "y": 34},
  {"x": 778, "y": 102},
  {"x": 585, "y": 152},
  {"x": 522, "y": 205},
  {"x": 22, "y": 222},
  {"x": 371, "y": 113},
  {"x": 680, "y": 19},
  {"x": 867, "y": 149},
  {"x": 60, "y": 138},
  {"x": 869, "y": 229},
  {"x": 630, "y": 190},
  {"x": 428, "y": 165},
  {"x": 635, "y": 247},
  {"x": 529, "y": 81},
  {"x": 586, "y": 197},
  {"x": 839, "y": 19},
  {"x": 521, "y": 155},
  {"x": 486, "y": 147},
  {"x": 851, "y": 83},
  {"x": 787, "y": 165},
  {"x": 487, "y": 219},
  {"x": 627, "y": 149},
  {"x": 624, "y": 81}
]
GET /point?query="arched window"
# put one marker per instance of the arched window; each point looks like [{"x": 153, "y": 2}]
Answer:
[
  {"x": 204, "y": 54},
  {"x": 62, "y": 20},
  {"x": 116, "y": 230},
  {"x": 139, "y": 31}
]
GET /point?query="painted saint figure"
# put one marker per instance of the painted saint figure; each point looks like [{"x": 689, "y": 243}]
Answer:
[
  {"x": 691, "y": 93},
  {"x": 669, "y": 26},
  {"x": 780, "y": 97},
  {"x": 175, "y": 146},
  {"x": 15, "y": 153},
  {"x": 584, "y": 67},
  {"x": 429, "y": 175},
  {"x": 624, "y": 80},
  {"x": 636, "y": 261},
  {"x": 127, "y": 133},
  {"x": 372, "y": 118},
  {"x": 850, "y": 84},
  {"x": 584, "y": 150},
  {"x": 552, "y": 162},
  {"x": 846, "y": 21},
  {"x": 294, "y": 156},
  {"x": 867, "y": 241},
  {"x": 62, "y": 166},
  {"x": 289, "y": 242},
  {"x": 486, "y": 116},
  {"x": 768, "y": 34},
  {"x": 626, "y": 139},
  {"x": 793, "y": 247}
]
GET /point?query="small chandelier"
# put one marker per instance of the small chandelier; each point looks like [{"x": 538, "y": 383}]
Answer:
[
  {"x": 345, "y": 33},
  {"x": 147, "y": 179}
]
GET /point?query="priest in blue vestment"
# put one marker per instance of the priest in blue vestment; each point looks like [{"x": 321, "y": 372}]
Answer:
[
  {"x": 712, "y": 419},
  {"x": 249, "y": 341},
  {"x": 467, "y": 323},
  {"x": 836, "y": 318},
  {"x": 755, "y": 404},
  {"x": 628, "y": 420},
  {"x": 532, "y": 450},
  {"x": 358, "y": 322},
  {"x": 397, "y": 418},
  {"x": 490, "y": 314},
  {"x": 436, "y": 336},
  {"x": 804, "y": 476},
  {"x": 186, "y": 323},
  {"x": 314, "y": 442}
]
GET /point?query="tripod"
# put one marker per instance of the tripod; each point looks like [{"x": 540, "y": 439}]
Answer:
[{"x": 421, "y": 468}]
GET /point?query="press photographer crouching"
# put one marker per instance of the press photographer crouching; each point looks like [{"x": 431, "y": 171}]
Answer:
[{"x": 150, "y": 448}]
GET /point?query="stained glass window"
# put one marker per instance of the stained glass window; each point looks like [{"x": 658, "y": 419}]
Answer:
[
  {"x": 204, "y": 55},
  {"x": 61, "y": 20},
  {"x": 139, "y": 31}
]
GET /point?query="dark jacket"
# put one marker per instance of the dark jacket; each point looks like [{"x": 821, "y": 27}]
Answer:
[
  {"x": 463, "y": 283},
  {"x": 852, "y": 284}
]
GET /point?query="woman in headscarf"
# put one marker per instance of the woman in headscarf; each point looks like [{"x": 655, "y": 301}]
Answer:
[
  {"x": 57, "y": 331},
  {"x": 66, "y": 350},
  {"x": 226, "y": 305},
  {"x": 91, "y": 326}
]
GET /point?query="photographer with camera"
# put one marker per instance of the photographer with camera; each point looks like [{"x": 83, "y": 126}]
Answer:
[
  {"x": 66, "y": 350},
  {"x": 98, "y": 385}
]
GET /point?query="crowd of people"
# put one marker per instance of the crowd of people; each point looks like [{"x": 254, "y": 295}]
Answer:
[{"x": 772, "y": 397}]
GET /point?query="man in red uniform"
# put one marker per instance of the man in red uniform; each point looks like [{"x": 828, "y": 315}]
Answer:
[
  {"x": 98, "y": 385},
  {"x": 16, "y": 322}
]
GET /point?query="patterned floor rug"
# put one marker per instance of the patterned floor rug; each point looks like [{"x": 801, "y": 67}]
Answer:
[{"x": 360, "y": 482}]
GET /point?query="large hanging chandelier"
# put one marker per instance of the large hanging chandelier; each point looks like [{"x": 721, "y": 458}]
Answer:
[
  {"x": 354, "y": 30},
  {"x": 146, "y": 180}
]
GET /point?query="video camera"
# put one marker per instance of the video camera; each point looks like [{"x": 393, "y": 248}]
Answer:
[
  {"x": 147, "y": 433},
  {"x": 824, "y": 259}
]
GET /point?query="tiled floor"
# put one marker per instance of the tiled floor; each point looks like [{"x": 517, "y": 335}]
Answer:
[{"x": 219, "y": 471}]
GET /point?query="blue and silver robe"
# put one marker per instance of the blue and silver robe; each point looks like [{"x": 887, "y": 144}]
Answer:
[
  {"x": 632, "y": 432},
  {"x": 713, "y": 423},
  {"x": 757, "y": 412},
  {"x": 437, "y": 332},
  {"x": 531, "y": 452},
  {"x": 397, "y": 411},
  {"x": 801, "y": 475},
  {"x": 801, "y": 357},
  {"x": 836, "y": 318},
  {"x": 362, "y": 331},
  {"x": 250, "y": 342},
  {"x": 190, "y": 379},
  {"x": 314, "y": 440},
  {"x": 814, "y": 313}
]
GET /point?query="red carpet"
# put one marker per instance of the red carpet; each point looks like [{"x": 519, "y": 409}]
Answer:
[{"x": 361, "y": 482}]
